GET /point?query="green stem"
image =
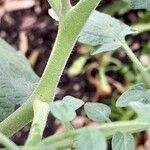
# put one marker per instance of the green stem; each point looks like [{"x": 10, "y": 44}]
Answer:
[
  {"x": 17, "y": 120},
  {"x": 148, "y": 68},
  {"x": 66, "y": 6},
  {"x": 41, "y": 111},
  {"x": 103, "y": 78},
  {"x": 8, "y": 143},
  {"x": 69, "y": 28},
  {"x": 145, "y": 75},
  {"x": 64, "y": 144},
  {"x": 68, "y": 126},
  {"x": 56, "y": 5},
  {"x": 107, "y": 129},
  {"x": 60, "y": 6},
  {"x": 142, "y": 27}
]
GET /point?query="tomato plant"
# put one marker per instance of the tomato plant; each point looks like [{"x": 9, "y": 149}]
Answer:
[{"x": 20, "y": 85}]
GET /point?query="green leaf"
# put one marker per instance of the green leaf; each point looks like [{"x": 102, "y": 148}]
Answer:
[
  {"x": 117, "y": 6},
  {"x": 72, "y": 102},
  {"x": 123, "y": 141},
  {"x": 17, "y": 79},
  {"x": 6, "y": 108},
  {"x": 135, "y": 93},
  {"x": 140, "y": 4},
  {"x": 62, "y": 112},
  {"x": 142, "y": 110},
  {"x": 97, "y": 112},
  {"x": 91, "y": 139},
  {"x": 105, "y": 32}
]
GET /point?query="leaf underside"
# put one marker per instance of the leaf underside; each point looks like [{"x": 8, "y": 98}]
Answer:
[
  {"x": 64, "y": 109},
  {"x": 105, "y": 32},
  {"x": 123, "y": 141},
  {"x": 136, "y": 93},
  {"x": 97, "y": 112},
  {"x": 91, "y": 139},
  {"x": 140, "y": 4},
  {"x": 142, "y": 110}
]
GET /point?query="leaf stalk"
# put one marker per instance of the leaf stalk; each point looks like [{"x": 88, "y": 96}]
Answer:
[
  {"x": 143, "y": 71},
  {"x": 108, "y": 129}
]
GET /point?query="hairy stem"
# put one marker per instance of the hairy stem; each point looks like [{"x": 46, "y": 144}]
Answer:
[
  {"x": 142, "y": 27},
  {"x": 41, "y": 111},
  {"x": 17, "y": 120},
  {"x": 66, "y": 5},
  {"x": 8, "y": 143},
  {"x": 143, "y": 71},
  {"x": 108, "y": 130},
  {"x": 69, "y": 28},
  {"x": 60, "y": 6},
  {"x": 56, "y": 5}
]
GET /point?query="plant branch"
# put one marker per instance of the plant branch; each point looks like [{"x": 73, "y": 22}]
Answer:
[
  {"x": 65, "y": 6},
  {"x": 69, "y": 28},
  {"x": 68, "y": 126},
  {"x": 21, "y": 117},
  {"x": 143, "y": 71},
  {"x": 56, "y": 5},
  {"x": 142, "y": 27},
  {"x": 8, "y": 143},
  {"x": 60, "y": 6},
  {"x": 41, "y": 111},
  {"x": 107, "y": 129}
]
